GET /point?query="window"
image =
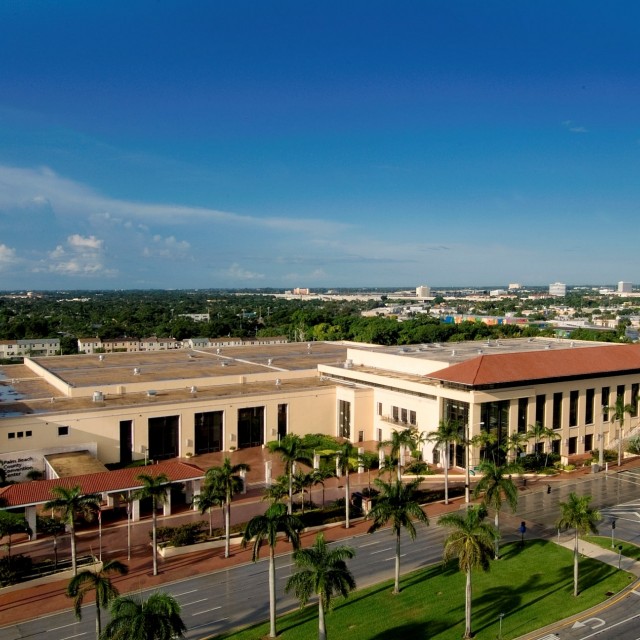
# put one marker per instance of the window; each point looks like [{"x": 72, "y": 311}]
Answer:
[
  {"x": 523, "y": 403},
  {"x": 11, "y": 435},
  {"x": 379, "y": 408},
  {"x": 404, "y": 416},
  {"x": 63, "y": 431},
  {"x": 605, "y": 403},
  {"x": 635, "y": 390},
  {"x": 379, "y": 435},
  {"x": 395, "y": 413},
  {"x": 588, "y": 442},
  {"x": 573, "y": 445},
  {"x": 540, "y": 404},
  {"x": 590, "y": 402},
  {"x": 620, "y": 391},
  {"x": 556, "y": 420},
  {"x": 360, "y": 436},
  {"x": 344, "y": 419},
  {"x": 28, "y": 434},
  {"x": 573, "y": 408},
  {"x": 412, "y": 418},
  {"x": 20, "y": 434}
]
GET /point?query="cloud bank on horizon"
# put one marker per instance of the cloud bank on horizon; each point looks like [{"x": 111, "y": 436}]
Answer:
[{"x": 279, "y": 145}]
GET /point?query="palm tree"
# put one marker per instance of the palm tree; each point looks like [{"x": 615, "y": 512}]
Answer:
[
  {"x": 291, "y": 450},
  {"x": 346, "y": 458},
  {"x": 448, "y": 433},
  {"x": 398, "y": 442},
  {"x": 515, "y": 443},
  {"x": 156, "y": 618},
  {"x": 71, "y": 502},
  {"x": 265, "y": 528},
  {"x": 301, "y": 482},
  {"x": 397, "y": 504},
  {"x": 227, "y": 481},
  {"x": 10, "y": 525},
  {"x": 471, "y": 541},
  {"x": 323, "y": 572},
  {"x": 319, "y": 476},
  {"x": 617, "y": 413},
  {"x": 538, "y": 433},
  {"x": 578, "y": 515},
  {"x": 98, "y": 581},
  {"x": 497, "y": 486},
  {"x": 485, "y": 440},
  {"x": 154, "y": 487},
  {"x": 277, "y": 491},
  {"x": 208, "y": 498},
  {"x": 54, "y": 527}
]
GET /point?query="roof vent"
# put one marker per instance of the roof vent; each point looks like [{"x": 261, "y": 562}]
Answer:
[
  {"x": 480, "y": 352},
  {"x": 136, "y": 371},
  {"x": 100, "y": 357},
  {"x": 98, "y": 396},
  {"x": 193, "y": 390},
  {"x": 278, "y": 382},
  {"x": 223, "y": 364},
  {"x": 152, "y": 393},
  {"x": 269, "y": 361},
  {"x": 218, "y": 351},
  {"x": 453, "y": 353},
  {"x": 348, "y": 364},
  {"x": 548, "y": 346}
]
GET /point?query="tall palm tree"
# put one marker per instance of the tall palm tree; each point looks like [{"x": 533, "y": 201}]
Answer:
[
  {"x": 55, "y": 528},
  {"x": 399, "y": 441},
  {"x": 265, "y": 528},
  {"x": 154, "y": 487},
  {"x": 156, "y": 618},
  {"x": 323, "y": 572},
  {"x": 277, "y": 491},
  {"x": 227, "y": 481},
  {"x": 618, "y": 411},
  {"x": 319, "y": 476},
  {"x": 486, "y": 441},
  {"x": 448, "y": 432},
  {"x": 539, "y": 433},
  {"x": 291, "y": 450},
  {"x": 346, "y": 459},
  {"x": 397, "y": 504},
  {"x": 95, "y": 580},
  {"x": 471, "y": 541},
  {"x": 70, "y": 503},
  {"x": 301, "y": 482},
  {"x": 515, "y": 443},
  {"x": 577, "y": 514},
  {"x": 209, "y": 497},
  {"x": 497, "y": 486},
  {"x": 10, "y": 525}
]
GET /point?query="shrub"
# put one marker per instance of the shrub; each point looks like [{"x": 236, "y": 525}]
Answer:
[
  {"x": 633, "y": 445},
  {"x": 14, "y": 569},
  {"x": 183, "y": 535},
  {"x": 419, "y": 468}
]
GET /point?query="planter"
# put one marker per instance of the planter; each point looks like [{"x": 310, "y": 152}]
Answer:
[{"x": 172, "y": 552}]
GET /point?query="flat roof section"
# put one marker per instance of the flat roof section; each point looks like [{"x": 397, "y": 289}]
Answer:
[
  {"x": 74, "y": 463},
  {"x": 144, "y": 366}
]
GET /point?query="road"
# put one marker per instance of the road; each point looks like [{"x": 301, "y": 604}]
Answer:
[{"x": 237, "y": 596}]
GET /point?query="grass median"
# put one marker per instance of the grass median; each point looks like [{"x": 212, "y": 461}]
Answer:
[{"x": 531, "y": 585}]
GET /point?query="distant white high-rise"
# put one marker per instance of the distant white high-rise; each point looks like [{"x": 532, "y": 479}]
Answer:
[
  {"x": 423, "y": 291},
  {"x": 558, "y": 289},
  {"x": 514, "y": 286},
  {"x": 625, "y": 287}
]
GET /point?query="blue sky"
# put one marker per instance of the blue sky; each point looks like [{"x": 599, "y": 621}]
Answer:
[{"x": 173, "y": 144}]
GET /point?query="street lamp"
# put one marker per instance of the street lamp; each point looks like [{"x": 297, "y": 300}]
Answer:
[
  {"x": 601, "y": 444},
  {"x": 500, "y": 630},
  {"x": 467, "y": 471}
]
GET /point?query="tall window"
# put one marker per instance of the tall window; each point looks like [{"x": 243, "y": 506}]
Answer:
[
  {"x": 540, "y": 404},
  {"x": 605, "y": 403},
  {"x": 283, "y": 411},
  {"x": 635, "y": 390},
  {"x": 458, "y": 412},
  {"x": 208, "y": 431},
  {"x": 523, "y": 403},
  {"x": 344, "y": 418},
  {"x": 495, "y": 421},
  {"x": 590, "y": 404},
  {"x": 556, "y": 421},
  {"x": 573, "y": 408},
  {"x": 250, "y": 427},
  {"x": 620, "y": 391},
  {"x": 163, "y": 437}
]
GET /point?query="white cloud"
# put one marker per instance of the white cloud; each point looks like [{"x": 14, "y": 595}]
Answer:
[
  {"x": 7, "y": 255},
  {"x": 89, "y": 243},
  {"x": 19, "y": 186},
  {"x": 236, "y": 272}
]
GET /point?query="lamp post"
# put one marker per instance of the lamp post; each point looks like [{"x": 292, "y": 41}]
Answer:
[
  {"x": 601, "y": 444},
  {"x": 500, "y": 629},
  {"x": 467, "y": 470}
]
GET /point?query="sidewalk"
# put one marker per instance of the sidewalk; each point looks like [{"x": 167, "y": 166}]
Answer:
[{"x": 608, "y": 556}]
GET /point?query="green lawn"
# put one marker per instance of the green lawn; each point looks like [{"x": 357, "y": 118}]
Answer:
[
  {"x": 532, "y": 586},
  {"x": 628, "y": 550}
]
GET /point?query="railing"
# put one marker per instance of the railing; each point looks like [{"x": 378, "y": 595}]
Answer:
[{"x": 398, "y": 421}]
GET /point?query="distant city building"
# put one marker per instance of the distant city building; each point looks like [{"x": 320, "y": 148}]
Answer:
[
  {"x": 497, "y": 292},
  {"x": 37, "y": 347},
  {"x": 558, "y": 289},
  {"x": 514, "y": 286},
  {"x": 423, "y": 291},
  {"x": 196, "y": 317},
  {"x": 299, "y": 291},
  {"x": 625, "y": 287}
]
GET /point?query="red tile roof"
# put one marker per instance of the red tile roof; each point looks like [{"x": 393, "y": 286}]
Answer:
[
  {"x": 38, "y": 492},
  {"x": 531, "y": 366}
]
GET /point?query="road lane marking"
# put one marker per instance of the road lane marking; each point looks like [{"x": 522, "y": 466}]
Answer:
[
  {"x": 393, "y": 557},
  {"x": 206, "y": 611},
  {"x": 76, "y": 636},
  {"x": 381, "y": 550},
  {"x": 184, "y": 593},
  {"x": 64, "y": 626},
  {"x": 186, "y": 604},
  {"x": 369, "y": 544}
]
